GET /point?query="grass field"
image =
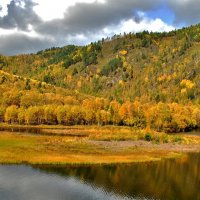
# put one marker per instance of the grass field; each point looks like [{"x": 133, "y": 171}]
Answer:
[{"x": 89, "y": 145}]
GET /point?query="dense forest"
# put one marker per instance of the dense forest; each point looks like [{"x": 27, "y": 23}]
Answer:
[{"x": 144, "y": 80}]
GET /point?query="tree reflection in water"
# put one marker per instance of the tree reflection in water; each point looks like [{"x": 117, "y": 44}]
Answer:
[{"x": 168, "y": 179}]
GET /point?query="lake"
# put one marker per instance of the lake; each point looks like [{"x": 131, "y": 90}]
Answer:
[{"x": 168, "y": 179}]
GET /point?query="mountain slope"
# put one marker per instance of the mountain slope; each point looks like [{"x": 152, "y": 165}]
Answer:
[
  {"x": 152, "y": 66},
  {"x": 145, "y": 80}
]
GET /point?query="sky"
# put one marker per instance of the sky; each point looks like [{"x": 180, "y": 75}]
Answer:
[{"x": 27, "y": 26}]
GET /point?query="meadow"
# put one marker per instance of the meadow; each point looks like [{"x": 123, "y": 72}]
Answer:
[{"x": 89, "y": 145}]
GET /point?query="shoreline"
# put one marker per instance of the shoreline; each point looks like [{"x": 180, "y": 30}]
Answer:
[{"x": 99, "y": 146}]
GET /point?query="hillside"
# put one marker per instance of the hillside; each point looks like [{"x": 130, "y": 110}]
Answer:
[
  {"x": 147, "y": 75},
  {"x": 153, "y": 66}
]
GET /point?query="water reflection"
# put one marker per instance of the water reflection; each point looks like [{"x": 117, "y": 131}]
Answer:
[
  {"x": 25, "y": 183},
  {"x": 44, "y": 131},
  {"x": 168, "y": 179},
  {"x": 194, "y": 132}
]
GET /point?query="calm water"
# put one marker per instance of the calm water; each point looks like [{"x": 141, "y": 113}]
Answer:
[
  {"x": 168, "y": 179},
  {"x": 37, "y": 130},
  {"x": 195, "y": 132}
]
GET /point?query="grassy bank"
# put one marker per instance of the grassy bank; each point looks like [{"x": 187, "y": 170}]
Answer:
[
  {"x": 99, "y": 133},
  {"x": 90, "y": 145}
]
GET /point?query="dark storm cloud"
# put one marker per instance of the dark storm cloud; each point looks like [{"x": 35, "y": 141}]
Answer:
[
  {"x": 21, "y": 43},
  {"x": 89, "y": 18},
  {"x": 186, "y": 10},
  {"x": 19, "y": 16}
]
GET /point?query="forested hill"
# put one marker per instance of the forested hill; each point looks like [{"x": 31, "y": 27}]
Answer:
[
  {"x": 152, "y": 66},
  {"x": 144, "y": 68}
]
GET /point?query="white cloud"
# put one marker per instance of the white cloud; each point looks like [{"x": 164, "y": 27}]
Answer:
[
  {"x": 156, "y": 25},
  {"x": 4, "y": 7},
  {"x": 7, "y": 31},
  {"x": 49, "y": 10}
]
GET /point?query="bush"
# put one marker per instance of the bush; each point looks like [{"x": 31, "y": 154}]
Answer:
[
  {"x": 148, "y": 137},
  {"x": 111, "y": 66}
]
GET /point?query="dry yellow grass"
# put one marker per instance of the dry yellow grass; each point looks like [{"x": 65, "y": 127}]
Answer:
[{"x": 100, "y": 145}]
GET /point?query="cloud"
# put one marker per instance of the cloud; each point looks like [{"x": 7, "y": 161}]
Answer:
[
  {"x": 83, "y": 21},
  {"x": 186, "y": 11},
  {"x": 127, "y": 26},
  {"x": 84, "y": 18},
  {"x": 155, "y": 25},
  {"x": 20, "y": 15},
  {"x": 11, "y": 44},
  {"x": 16, "y": 43}
]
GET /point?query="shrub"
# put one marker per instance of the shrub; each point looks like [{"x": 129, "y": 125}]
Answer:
[
  {"x": 111, "y": 66},
  {"x": 148, "y": 137}
]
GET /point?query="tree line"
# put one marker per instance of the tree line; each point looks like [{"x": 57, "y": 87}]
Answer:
[{"x": 171, "y": 117}]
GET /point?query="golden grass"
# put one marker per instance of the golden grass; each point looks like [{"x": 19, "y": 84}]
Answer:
[
  {"x": 59, "y": 147},
  {"x": 21, "y": 148},
  {"x": 101, "y": 133}
]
